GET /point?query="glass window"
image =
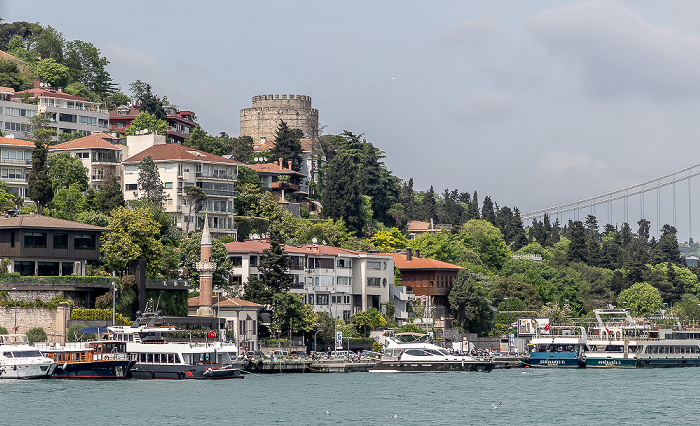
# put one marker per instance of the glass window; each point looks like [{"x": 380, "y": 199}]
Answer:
[
  {"x": 60, "y": 241},
  {"x": 35, "y": 239},
  {"x": 24, "y": 268},
  {"x": 168, "y": 185},
  {"x": 373, "y": 282},
  {"x": 374, "y": 264},
  {"x": 84, "y": 242},
  {"x": 322, "y": 299},
  {"x": 66, "y": 268},
  {"x": 47, "y": 269},
  {"x": 131, "y": 187}
]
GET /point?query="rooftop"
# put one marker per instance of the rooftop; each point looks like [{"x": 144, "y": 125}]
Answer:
[
  {"x": 45, "y": 222},
  {"x": 225, "y": 302},
  {"x": 172, "y": 151},
  {"x": 419, "y": 262},
  {"x": 95, "y": 140}
]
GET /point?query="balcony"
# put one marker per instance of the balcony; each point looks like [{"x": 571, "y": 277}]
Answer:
[
  {"x": 219, "y": 192},
  {"x": 224, "y": 176},
  {"x": 13, "y": 161}
]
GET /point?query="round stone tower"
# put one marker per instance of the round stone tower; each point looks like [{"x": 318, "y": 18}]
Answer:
[{"x": 263, "y": 119}]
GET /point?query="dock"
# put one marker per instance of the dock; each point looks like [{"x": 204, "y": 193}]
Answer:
[{"x": 267, "y": 366}]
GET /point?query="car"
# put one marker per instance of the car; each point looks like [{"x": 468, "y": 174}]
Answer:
[
  {"x": 253, "y": 355},
  {"x": 300, "y": 354}
]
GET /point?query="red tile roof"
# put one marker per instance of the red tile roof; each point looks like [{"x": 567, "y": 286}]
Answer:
[
  {"x": 133, "y": 112},
  {"x": 15, "y": 142},
  {"x": 7, "y": 89},
  {"x": 258, "y": 147},
  {"x": 40, "y": 91},
  {"x": 45, "y": 222},
  {"x": 419, "y": 263},
  {"x": 95, "y": 140},
  {"x": 417, "y": 225},
  {"x": 273, "y": 168},
  {"x": 172, "y": 151},
  {"x": 257, "y": 246},
  {"x": 225, "y": 302}
]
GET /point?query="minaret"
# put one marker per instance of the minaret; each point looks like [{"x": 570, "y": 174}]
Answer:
[{"x": 206, "y": 268}]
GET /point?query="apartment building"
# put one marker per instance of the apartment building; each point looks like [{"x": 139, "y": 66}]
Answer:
[
  {"x": 99, "y": 155},
  {"x": 331, "y": 279},
  {"x": 179, "y": 167},
  {"x": 180, "y": 123},
  {"x": 15, "y": 164}
]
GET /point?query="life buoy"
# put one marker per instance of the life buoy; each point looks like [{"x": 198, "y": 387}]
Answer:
[{"x": 259, "y": 365}]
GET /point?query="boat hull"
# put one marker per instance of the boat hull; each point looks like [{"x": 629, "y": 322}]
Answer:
[
  {"x": 644, "y": 362},
  {"x": 431, "y": 367},
  {"x": 183, "y": 371},
  {"x": 26, "y": 370},
  {"x": 116, "y": 369},
  {"x": 553, "y": 361}
]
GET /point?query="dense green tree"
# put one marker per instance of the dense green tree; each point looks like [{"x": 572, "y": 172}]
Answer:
[
  {"x": 86, "y": 66},
  {"x": 468, "y": 302},
  {"x": 109, "y": 196},
  {"x": 134, "y": 234},
  {"x": 17, "y": 48},
  {"x": 667, "y": 248},
  {"x": 52, "y": 72},
  {"x": 365, "y": 321},
  {"x": 11, "y": 76},
  {"x": 341, "y": 193},
  {"x": 487, "y": 241},
  {"x": 21, "y": 29},
  {"x": 116, "y": 100},
  {"x": 67, "y": 203},
  {"x": 505, "y": 288},
  {"x": 577, "y": 248},
  {"x": 147, "y": 100},
  {"x": 40, "y": 189},
  {"x": 192, "y": 197},
  {"x": 428, "y": 209},
  {"x": 291, "y": 314},
  {"x": 473, "y": 209},
  {"x": 149, "y": 182},
  {"x": 641, "y": 299},
  {"x": 66, "y": 170},
  {"x": 287, "y": 146},
  {"x": 147, "y": 121},
  {"x": 389, "y": 240},
  {"x": 273, "y": 267},
  {"x": 48, "y": 44}
]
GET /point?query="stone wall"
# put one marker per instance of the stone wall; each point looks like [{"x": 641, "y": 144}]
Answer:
[
  {"x": 263, "y": 119},
  {"x": 30, "y": 296},
  {"x": 53, "y": 321}
]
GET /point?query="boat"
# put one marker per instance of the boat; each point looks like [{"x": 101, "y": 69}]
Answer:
[
  {"x": 19, "y": 360},
  {"x": 619, "y": 341},
  {"x": 557, "y": 346},
  {"x": 156, "y": 358},
  {"x": 99, "y": 359},
  {"x": 420, "y": 356}
]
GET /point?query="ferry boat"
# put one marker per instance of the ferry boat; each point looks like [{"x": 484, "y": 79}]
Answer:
[
  {"x": 19, "y": 360},
  {"x": 557, "y": 346},
  {"x": 425, "y": 357},
  {"x": 102, "y": 359},
  {"x": 157, "y": 359},
  {"x": 622, "y": 342}
]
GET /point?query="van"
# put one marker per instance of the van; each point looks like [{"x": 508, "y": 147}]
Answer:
[
  {"x": 279, "y": 353},
  {"x": 340, "y": 354}
]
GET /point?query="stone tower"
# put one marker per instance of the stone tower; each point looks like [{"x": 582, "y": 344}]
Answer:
[
  {"x": 262, "y": 120},
  {"x": 206, "y": 268}
]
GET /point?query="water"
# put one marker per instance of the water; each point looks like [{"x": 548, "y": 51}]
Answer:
[{"x": 547, "y": 396}]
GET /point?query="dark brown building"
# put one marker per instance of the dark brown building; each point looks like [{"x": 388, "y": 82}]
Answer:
[{"x": 46, "y": 246}]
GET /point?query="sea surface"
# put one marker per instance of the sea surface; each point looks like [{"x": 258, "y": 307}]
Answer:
[{"x": 526, "y": 397}]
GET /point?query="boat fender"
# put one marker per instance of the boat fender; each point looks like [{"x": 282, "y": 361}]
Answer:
[
  {"x": 249, "y": 365},
  {"x": 259, "y": 365}
]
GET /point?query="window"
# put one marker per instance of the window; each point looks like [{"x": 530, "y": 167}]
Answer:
[
  {"x": 374, "y": 264},
  {"x": 374, "y": 282},
  {"x": 253, "y": 260},
  {"x": 12, "y": 239},
  {"x": 168, "y": 185},
  {"x": 131, "y": 187},
  {"x": 84, "y": 242},
  {"x": 17, "y": 127},
  {"x": 346, "y": 300},
  {"x": 344, "y": 263},
  {"x": 24, "y": 268},
  {"x": 84, "y": 154},
  {"x": 131, "y": 169},
  {"x": 60, "y": 241},
  {"x": 237, "y": 261},
  {"x": 344, "y": 281},
  {"x": 88, "y": 120},
  {"x": 322, "y": 299},
  {"x": 120, "y": 125},
  {"x": 66, "y": 268},
  {"x": 70, "y": 118},
  {"x": 35, "y": 239}
]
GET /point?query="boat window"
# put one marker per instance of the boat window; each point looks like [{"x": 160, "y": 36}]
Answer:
[
  {"x": 415, "y": 352},
  {"x": 25, "y": 354},
  {"x": 432, "y": 352}
]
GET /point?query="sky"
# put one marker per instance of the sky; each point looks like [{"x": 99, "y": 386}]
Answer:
[{"x": 534, "y": 103}]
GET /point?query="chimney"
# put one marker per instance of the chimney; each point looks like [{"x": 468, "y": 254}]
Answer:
[
  {"x": 409, "y": 254},
  {"x": 431, "y": 223},
  {"x": 289, "y": 164},
  {"x": 417, "y": 253},
  {"x": 280, "y": 163}
]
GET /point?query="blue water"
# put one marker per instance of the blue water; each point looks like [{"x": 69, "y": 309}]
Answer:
[{"x": 544, "y": 396}]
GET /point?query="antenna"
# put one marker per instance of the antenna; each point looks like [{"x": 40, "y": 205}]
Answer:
[{"x": 314, "y": 240}]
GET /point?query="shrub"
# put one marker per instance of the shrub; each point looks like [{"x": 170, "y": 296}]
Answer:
[
  {"x": 98, "y": 315},
  {"x": 36, "y": 334},
  {"x": 104, "y": 301},
  {"x": 73, "y": 333},
  {"x": 3, "y": 330}
]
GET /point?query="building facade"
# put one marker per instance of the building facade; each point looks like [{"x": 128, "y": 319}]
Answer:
[
  {"x": 331, "y": 279},
  {"x": 15, "y": 164},
  {"x": 179, "y": 167},
  {"x": 180, "y": 123},
  {"x": 241, "y": 318},
  {"x": 99, "y": 155}
]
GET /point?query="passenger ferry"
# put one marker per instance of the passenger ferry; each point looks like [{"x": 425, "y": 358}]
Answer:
[
  {"x": 157, "y": 359},
  {"x": 425, "y": 357},
  {"x": 622, "y": 342},
  {"x": 557, "y": 346},
  {"x": 103, "y": 359},
  {"x": 19, "y": 360}
]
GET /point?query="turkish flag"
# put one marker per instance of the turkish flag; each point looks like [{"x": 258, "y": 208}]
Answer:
[
  {"x": 211, "y": 334},
  {"x": 546, "y": 327}
]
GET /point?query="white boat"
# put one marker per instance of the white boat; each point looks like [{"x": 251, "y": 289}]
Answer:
[
  {"x": 156, "y": 358},
  {"x": 425, "y": 357},
  {"x": 19, "y": 360},
  {"x": 557, "y": 346}
]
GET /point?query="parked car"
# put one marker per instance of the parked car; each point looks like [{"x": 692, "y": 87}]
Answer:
[{"x": 253, "y": 354}]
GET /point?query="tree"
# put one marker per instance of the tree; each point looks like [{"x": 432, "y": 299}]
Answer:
[
  {"x": 52, "y": 72},
  {"x": 11, "y": 76},
  {"x": 273, "y": 268},
  {"x": 512, "y": 288},
  {"x": 365, "y": 321},
  {"x": 149, "y": 122},
  {"x": 116, "y": 100},
  {"x": 468, "y": 302},
  {"x": 149, "y": 182},
  {"x": 40, "y": 189},
  {"x": 241, "y": 148},
  {"x": 66, "y": 170},
  {"x": 291, "y": 313},
  {"x": 667, "y": 248},
  {"x": 110, "y": 195},
  {"x": 67, "y": 202},
  {"x": 287, "y": 145},
  {"x": 135, "y": 234},
  {"x": 341, "y": 192},
  {"x": 389, "y": 241},
  {"x": 147, "y": 101},
  {"x": 577, "y": 249},
  {"x": 48, "y": 44},
  {"x": 86, "y": 66},
  {"x": 487, "y": 241},
  {"x": 642, "y": 299},
  {"x": 190, "y": 253},
  {"x": 193, "y": 197}
]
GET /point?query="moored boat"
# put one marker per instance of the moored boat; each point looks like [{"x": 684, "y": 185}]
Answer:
[
  {"x": 101, "y": 359},
  {"x": 19, "y": 360},
  {"x": 557, "y": 346},
  {"x": 425, "y": 357}
]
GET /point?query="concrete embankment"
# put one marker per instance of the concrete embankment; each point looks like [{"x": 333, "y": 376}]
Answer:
[{"x": 267, "y": 366}]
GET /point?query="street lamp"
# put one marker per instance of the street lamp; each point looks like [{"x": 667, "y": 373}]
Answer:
[{"x": 114, "y": 303}]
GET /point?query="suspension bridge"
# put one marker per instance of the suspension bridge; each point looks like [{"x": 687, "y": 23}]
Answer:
[{"x": 621, "y": 203}]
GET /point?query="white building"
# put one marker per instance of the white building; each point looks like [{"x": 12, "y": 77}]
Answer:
[
  {"x": 15, "y": 164},
  {"x": 179, "y": 167},
  {"x": 331, "y": 279},
  {"x": 98, "y": 154}
]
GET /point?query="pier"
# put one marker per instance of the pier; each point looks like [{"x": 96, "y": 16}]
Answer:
[{"x": 267, "y": 366}]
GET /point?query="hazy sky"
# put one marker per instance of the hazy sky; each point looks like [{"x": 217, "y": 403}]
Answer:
[{"x": 534, "y": 103}]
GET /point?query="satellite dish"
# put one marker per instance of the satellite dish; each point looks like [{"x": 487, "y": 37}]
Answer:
[
  {"x": 11, "y": 136},
  {"x": 314, "y": 240}
]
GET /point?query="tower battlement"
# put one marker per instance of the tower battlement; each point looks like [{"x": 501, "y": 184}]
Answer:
[{"x": 266, "y": 112}]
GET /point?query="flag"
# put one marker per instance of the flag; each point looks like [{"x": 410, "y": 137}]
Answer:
[
  {"x": 546, "y": 327},
  {"x": 211, "y": 334}
]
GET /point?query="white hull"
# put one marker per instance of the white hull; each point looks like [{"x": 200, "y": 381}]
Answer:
[{"x": 27, "y": 369}]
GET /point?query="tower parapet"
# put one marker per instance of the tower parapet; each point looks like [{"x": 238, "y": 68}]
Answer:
[{"x": 267, "y": 111}]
